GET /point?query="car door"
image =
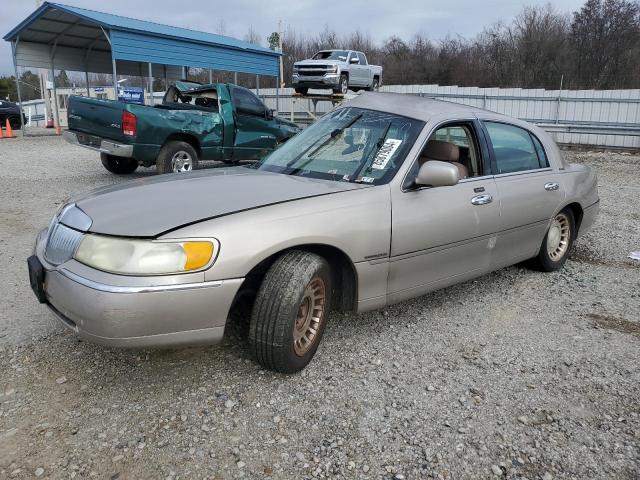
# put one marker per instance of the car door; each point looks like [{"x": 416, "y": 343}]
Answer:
[
  {"x": 355, "y": 71},
  {"x": 254, "y": 132},
  {"x": 364, "y": 69},
  {"x": 529, "y": 190},
  {"x": 443, "y": 235}
]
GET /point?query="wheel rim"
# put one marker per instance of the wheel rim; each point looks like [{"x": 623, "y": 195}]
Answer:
[
  {"x": 344, "y": 86},
  {"x": 558, "y": 237},
  {"x": 310, "y": 316},
  {"x": 181, "y": 162}
]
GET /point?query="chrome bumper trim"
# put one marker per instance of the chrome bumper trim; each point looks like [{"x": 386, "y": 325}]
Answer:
[
  {"x": 141, "y": 289},
  {"x": 106, "y": 146}
]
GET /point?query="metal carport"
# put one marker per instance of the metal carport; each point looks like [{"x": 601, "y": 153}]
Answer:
[{"x": 60, "y": 37}]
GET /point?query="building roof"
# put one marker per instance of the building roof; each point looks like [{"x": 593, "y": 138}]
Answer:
[
  {"x": 109, "y": 21},
  {"x": 80, "y": 36}
]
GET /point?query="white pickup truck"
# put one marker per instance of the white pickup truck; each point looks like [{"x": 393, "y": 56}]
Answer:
[{"x": 339, "y": 70}]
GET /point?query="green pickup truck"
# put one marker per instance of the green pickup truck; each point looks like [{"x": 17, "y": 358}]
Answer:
[{"x": 194, "y": 122}]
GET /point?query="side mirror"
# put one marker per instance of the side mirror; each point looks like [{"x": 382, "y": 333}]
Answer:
[
  {"x": 434, "y": 173},
  {"x": 354, "y": 60},
  {"x": 268, "y": 113}
]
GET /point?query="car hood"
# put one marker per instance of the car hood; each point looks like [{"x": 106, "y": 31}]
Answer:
[{"x": 157, "y": 205}]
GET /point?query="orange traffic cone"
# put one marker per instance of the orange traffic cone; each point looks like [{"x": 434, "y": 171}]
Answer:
[
  {"x": 9, "y": 130},
  {"x": 1, "y": 131}
]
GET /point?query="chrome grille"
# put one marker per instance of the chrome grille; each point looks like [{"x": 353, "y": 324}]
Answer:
[{"x": 61, "y": 244}]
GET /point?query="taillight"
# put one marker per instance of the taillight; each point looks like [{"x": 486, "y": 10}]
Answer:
[{"x": 129, "y": 124}]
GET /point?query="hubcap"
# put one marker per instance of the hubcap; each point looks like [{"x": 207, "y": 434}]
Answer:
[
  {"x": 558, "y": 237},
  {"x": 310, "y": 316},
  {"x": 345, "y": 86},
  {"x": 181, "y": 162}
]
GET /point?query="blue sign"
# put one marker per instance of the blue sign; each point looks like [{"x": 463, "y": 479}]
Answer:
[
  {"x": 99, "y": 89},
  {"x": 131, "y": 95}
]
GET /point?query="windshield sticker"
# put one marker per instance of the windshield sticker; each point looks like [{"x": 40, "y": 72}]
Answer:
[
  {"x": 385, "y": 153},
  {"x": 366, "y": 179}
]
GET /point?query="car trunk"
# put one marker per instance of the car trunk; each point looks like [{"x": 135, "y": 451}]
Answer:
[{"x": 102, "y": 118}]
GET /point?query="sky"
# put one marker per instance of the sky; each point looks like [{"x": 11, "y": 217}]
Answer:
[{"x": 379, "y": 19}]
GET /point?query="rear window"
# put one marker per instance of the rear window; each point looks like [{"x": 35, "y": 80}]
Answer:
[{"x": 514, "y": 148}]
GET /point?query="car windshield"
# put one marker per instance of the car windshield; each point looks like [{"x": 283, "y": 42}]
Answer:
[
  {"x": 332, "y": 55},
  {"x": 348, "y": 145}
]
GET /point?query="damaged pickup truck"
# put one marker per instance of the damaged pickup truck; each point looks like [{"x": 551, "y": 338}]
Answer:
[{"x": 194, "y": 122}]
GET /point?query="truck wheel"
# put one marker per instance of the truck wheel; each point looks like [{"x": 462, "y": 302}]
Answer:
[
  {"x": 556, "y": 244},
  {"x": 118, "y": 165},
  {"x": 177, "y": 157},
  {"x": 302, "y": 90},
  {"x": 290, "y": 311},
  {"x": 375, "y": 85},
  {"x": 343, "y": 86}
]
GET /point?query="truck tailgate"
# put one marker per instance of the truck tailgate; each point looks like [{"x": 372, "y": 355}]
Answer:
[{"x": 102, "y": 118}]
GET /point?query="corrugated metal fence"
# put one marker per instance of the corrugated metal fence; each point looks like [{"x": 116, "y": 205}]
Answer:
[{"x": 607, "y": 118}]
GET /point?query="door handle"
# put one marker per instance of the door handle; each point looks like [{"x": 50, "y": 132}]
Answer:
[
  {"x": 481, "y": 199},
  {"x": 551, "y": 186}
]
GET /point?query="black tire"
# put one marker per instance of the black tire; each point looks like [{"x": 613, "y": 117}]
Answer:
[
  {"x": 343, "y": 86},
  {"x": 278, "y": 308},
  {"x": 375, "y": 85},
  {"x": 302, "y": 90},
  {"x": 15, "y": 123},
  {"x": 550, "y": 262},
  {"x": 182, "y": 152},
  {"x": 118, "y": 165}
]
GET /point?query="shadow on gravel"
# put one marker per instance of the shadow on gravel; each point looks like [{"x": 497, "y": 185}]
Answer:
[
  {"x": 617, "y": 324},
  {"x": 581, "y": 254}
]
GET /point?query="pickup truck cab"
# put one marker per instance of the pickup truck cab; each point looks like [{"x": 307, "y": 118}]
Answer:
[
  {"x": 339, "y": 70},
  {"x": 194, "y": 122}
]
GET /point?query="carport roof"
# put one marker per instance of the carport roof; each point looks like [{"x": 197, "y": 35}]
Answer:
[
  {"x": 78, "y": 39},
  {"x": 70, "y": 25}
]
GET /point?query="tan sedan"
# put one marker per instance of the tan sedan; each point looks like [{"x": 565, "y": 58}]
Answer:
[{"x": 386, "y": 198}]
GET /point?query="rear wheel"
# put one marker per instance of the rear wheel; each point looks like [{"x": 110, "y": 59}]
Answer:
[
  {"x": 375, "y": 85},
  {"x": 118, "y": 165},
  {"x": 290, "y": 310},
  {"x": 343, "y": 86},
  {"x": 177, "y": 157},
  {"x": 557, "y": 243},
  {"x": 302, "y": 90}
]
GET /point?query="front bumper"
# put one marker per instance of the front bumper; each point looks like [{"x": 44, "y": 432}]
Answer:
[
  {"x": 99, "y": 144},
  {"x": 140, "y": 315},
  {"x": 321, "y": 81}
]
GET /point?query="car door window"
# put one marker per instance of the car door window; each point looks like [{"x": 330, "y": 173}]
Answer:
[
  {"x": 354, "y": 55},
  {"x": 361, "y": 57},
  {"x": 514, "y": 148},
  {"x": 246, "y": 102}
]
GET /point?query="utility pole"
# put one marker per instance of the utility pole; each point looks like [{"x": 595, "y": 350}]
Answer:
[{"x": 280, "y": 50}]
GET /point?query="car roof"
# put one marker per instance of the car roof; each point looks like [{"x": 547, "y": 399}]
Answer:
[{"x": 418, "y": 107}]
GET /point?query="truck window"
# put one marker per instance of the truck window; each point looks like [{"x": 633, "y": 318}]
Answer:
[
  {"x": 363, "y": 59},
  {"x": 331, "y": 55},
  {"x": 247, "y": 102},
  {"x": 354, "y": 55}
]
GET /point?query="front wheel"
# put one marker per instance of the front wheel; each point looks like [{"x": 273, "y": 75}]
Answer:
[
  {"x": 290, "y": 311},
  {"x": 343, "y": 86},
  {"x": 177, "y": 157},
  {"x": 557, "y": 243},
  {"x": 118, "y": 165}
]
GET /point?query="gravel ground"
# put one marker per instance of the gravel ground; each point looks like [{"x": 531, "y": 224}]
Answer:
[{"x": 518, "y": 374}]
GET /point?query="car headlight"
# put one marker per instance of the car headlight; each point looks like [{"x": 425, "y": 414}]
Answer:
[
  {"x": 144, "y": 257},
  {"x": 332, "y": 69}
]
